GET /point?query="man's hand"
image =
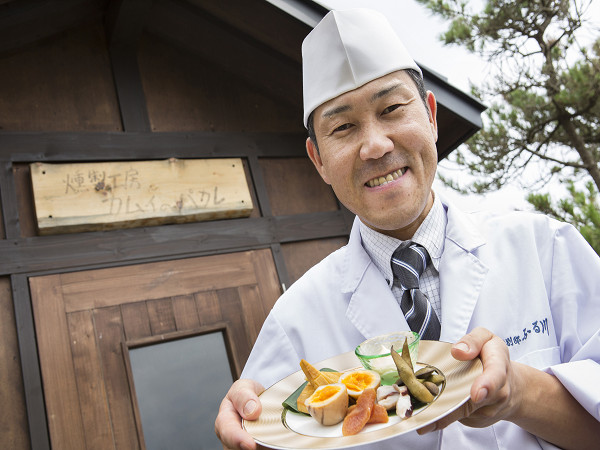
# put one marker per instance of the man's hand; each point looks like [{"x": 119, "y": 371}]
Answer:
[
  {"x": 507, "y": 390},
  {"x": 495, "y": 394},
  {"x": 240, "y": 402}
]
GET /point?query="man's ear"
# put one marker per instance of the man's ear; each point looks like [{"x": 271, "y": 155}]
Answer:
[
  {"x": 315, "y": 157},
  {"x": 432, "y": 106}
]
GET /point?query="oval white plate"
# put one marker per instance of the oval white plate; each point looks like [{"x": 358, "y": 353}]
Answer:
[{"x": 281, "y": 429}]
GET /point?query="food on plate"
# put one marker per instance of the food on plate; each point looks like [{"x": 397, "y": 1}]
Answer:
[
  {"x": 316, "y": 377},
  {"x": 357, "y": 381},
  {"x": 304, "y": 395},
  {"x": 431, "y": 387},
  {"x": 378, "y": 415},
  {"x": 387, "y": 396},
  {"x": 429, "y": 377},
  {"x": 356, "y": 419},
  {"x": 396, "y": 398},
  {"x": 405, "y": 371},
  {"x": 404, "y": 406},
  {"x": 328, "y": 404},
  {"x": 360, "y": 396},
  {"x": 425, "y": 372},
  {"x": 374, "y": 353}
]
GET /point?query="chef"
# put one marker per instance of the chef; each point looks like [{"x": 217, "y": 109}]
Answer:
[{"x": 518, "y": 290}]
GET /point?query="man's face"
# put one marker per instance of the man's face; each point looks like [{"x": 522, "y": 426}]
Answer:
[{"x": 379, "y": 132}]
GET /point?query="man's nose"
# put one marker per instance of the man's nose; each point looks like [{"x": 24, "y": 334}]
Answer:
[{"x": 375, "y": 142}]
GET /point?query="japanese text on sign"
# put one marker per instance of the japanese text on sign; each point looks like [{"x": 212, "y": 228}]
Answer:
[
  {"x": 78, "y": 197},
  {"x": 129, "y": 181}
]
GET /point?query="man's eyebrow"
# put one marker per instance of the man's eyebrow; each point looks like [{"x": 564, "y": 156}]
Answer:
[
  {"x": 336, "y": 110},
  {"x": 386, "y": 91},
  {"x": 343, "y": 108}
]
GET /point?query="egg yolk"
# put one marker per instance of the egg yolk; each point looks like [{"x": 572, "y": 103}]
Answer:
[
  {"x": 358, "y": 381},
  {"x": 325, "y": 393}
]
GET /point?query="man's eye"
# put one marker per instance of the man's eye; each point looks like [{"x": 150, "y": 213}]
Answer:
[
  {"x": 389, "y": 109},
  {"x": 343, "y": 127}
]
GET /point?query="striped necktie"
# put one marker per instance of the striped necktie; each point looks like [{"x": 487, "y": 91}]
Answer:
[{"x": 408, "y": 263}]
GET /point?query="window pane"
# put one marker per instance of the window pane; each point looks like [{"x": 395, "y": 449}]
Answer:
[{"x": 179, "y": 386}]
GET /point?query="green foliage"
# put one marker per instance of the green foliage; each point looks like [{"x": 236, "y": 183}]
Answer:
[
  {"x": 544, "y": 97},
  {"x": 581, "y": 210}
]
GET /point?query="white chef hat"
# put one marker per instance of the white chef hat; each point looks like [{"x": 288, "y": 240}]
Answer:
[{"x": 346, "y": 50}]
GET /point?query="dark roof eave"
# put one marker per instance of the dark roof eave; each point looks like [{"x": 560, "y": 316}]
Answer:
[
  {"x": 306, "y": 11},
  {"x": 462, "y": 104}
]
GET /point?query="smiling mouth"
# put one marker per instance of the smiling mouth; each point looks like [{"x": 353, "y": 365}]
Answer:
[{"x": 380, "y": 181}]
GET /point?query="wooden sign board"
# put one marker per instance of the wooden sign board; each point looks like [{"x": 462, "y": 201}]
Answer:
[{"x": 101, "y": 196}]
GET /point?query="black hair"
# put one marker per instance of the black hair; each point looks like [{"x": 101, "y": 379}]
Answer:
[{"x": 412, "y": 73}]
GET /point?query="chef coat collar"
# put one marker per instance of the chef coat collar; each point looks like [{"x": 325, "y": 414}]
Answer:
[
  {"x": 430, "y": 235},
  {"x": 459, "y": 229}
]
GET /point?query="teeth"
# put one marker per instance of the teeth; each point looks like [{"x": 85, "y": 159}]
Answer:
[{"x": 384, "y": 180}]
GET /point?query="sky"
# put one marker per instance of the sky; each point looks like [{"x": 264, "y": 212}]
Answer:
[{"x": 420, "y": 34}]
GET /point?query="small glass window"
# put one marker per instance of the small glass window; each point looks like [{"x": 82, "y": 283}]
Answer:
[{"x": 179, "y": 386}]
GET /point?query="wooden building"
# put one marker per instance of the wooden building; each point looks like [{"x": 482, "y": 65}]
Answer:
[{"x": 113, "y": 81}]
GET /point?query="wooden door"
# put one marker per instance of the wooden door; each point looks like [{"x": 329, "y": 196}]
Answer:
[{"x": 83, "y": 319}]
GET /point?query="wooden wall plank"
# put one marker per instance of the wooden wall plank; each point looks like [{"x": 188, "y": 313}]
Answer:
[
  {"x": 8, "y": 200},
  {"x": 134, "y": 114},
  {"x": 2, "y": 233},
  {"x": 248, "y": 171},
  {"x": 124, "y": 146},
  {"x": 269, "y": 23},
  {"x": 139, "y": 245},
  {"x": 25, "y": 202},
  {"x": 56, "y": 360},
  {"x": 88, "y": 289},
  {"x": 301, "y": 256},
  {"x": 109, "y": 325},
  {"x": 186, "y": 313},
  {"x": 30, "y": 364},
  {"x": 24, "y": 23},
  {"x": 188, "y": 92},
  {"x": 136, "y": 321},
  {"x": 252, "y": 310},
  {"x": 162, "y": 318},
  {"x": 90, "y": 384},
  {"x": 231, "y": 305},
  {"x": 209, "y": 310},
  {"x": 305, "y": 191},
  {"x": 60, "y": 84},
  {"x": 189, "y": 28},
  {"x": 13, "y": 416},
  {"x": 269, "y": 286}
]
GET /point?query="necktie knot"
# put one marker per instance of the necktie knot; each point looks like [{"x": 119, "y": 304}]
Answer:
[{"x": 408, "y": 264}]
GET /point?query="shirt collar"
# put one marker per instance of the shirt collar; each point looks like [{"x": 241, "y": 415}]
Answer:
[{"x": 430, "y": 235}]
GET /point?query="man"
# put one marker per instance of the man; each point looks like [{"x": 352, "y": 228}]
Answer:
[{"x": 520, "y": 279}]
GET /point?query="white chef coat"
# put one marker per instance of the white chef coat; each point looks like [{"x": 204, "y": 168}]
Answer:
[{"x": 531, "y": 280}]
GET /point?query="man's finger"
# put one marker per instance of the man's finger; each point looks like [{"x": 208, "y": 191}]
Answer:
[
  {"x": 228, "y": 428},
  {"x": 496, "y": 366},
  {"x": 470, "y": 345},
  {"x": 241, "y": 401},
  {"x": 244, "y": 397},
  {"x": 494, "y": 356}
]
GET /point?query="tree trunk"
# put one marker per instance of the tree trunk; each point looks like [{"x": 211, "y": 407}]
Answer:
[{"x": 579, "y": 145}]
